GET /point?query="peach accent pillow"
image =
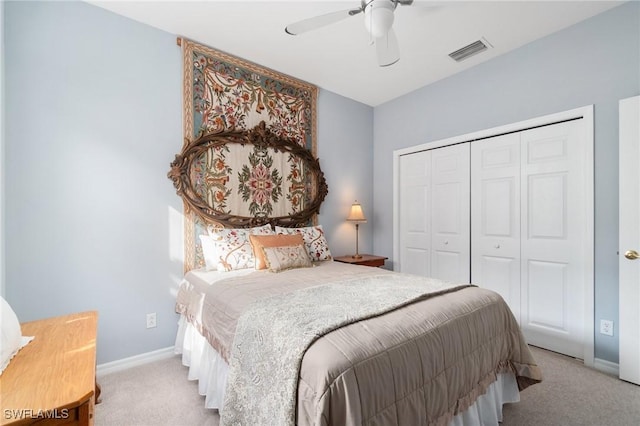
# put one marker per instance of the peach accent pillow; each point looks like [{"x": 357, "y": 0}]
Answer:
[{"x": 280, "y": 240}]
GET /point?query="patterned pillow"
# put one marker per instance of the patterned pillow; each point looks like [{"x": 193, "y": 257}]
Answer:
[
  {"x": 286, "y": 257},
  {"x": 233, "y": 250},
  {"x": 259, "y": 241},
  {"x": 314, "y": 241}
]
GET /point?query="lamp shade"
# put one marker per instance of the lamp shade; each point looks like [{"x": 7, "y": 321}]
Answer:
[
  {"x": 378, "y": 17},
  {"x": 356, "y": 214}
]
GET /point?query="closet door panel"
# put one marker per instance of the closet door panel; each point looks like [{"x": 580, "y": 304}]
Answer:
[
  {"x": 553, "y": 237},
  {"x": 450, "y": 209},
  {"x": 415, "y": 220},
  {"x": 495, "y": 217},
  {"x": 547, "y": 201},
  {"x": 498, "y": 274},
  {"x": 547, "y": 300}
]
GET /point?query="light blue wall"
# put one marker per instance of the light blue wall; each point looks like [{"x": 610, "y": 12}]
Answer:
[
  {"x": 94, "y": 117},
  {"x": 594, "y": 62},
  {"x": 93, "y": 107},
  {"x": 345, "y": 132}
]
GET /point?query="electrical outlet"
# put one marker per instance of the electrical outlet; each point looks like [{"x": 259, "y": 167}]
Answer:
[
  {"x": 151, "y": 320},
  {"x": 606, "y": 327}
]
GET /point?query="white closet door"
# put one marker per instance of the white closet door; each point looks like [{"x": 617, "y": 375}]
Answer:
[
  {"x": 553, "y": 237},
  {"x": 495, "y": 217},
  {"x": 415, "y": 218},
  {"x": 450, "y": 210}
]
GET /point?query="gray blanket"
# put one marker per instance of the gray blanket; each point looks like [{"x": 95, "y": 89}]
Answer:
[{"x": 274, "y": 333}]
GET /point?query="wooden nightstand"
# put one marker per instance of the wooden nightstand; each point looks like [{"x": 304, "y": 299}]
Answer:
[{"x": 365, "y": 260}]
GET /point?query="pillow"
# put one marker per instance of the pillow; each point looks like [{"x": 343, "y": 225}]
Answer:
[
  {"x": 286, "y": 257},
  {"x": 232, "y": 247},
  {"x": 11, "y": 340},
  {"x": 314, "y": 241},
  {"x": 209, "y": 252},
  {"x": 259, "y": 241}
]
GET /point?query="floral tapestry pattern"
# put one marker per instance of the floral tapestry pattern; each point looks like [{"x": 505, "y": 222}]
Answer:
[
  {"x": 221, "y": 93},
  {"x": 261, "y": 184}
]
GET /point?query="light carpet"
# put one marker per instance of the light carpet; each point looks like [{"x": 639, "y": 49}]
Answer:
[{"x": 571, "y": 394}]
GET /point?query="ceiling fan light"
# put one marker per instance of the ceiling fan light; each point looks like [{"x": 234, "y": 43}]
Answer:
[{"x": 378, "y": 16}]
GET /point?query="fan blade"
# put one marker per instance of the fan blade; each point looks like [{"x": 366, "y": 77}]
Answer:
[
  {"x": 387, "y": 49},
  {"x": 319, "y": 21}
]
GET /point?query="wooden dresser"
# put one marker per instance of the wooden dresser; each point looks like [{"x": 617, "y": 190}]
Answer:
[{"x": 51, "y": 381}]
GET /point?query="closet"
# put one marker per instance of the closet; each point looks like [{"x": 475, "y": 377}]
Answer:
[{"x": 510, "y": 213}]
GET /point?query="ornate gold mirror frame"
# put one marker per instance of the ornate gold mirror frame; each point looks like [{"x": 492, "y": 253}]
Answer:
[{"x": 186, "y": 180}]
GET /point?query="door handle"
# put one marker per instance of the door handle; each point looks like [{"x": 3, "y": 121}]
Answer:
[{"x": 631, "y": 254}]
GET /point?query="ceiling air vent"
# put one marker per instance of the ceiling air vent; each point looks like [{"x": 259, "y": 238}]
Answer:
[{"x": 470, "y": 50}]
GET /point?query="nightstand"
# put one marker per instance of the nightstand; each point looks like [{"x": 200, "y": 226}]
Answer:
[{"x": 365, "y": 260}]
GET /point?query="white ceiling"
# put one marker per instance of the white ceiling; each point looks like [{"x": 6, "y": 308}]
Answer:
[{"x": 339, "y": 58}]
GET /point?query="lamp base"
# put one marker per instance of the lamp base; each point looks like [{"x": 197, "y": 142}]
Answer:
[{"x": 357, "y": 256}]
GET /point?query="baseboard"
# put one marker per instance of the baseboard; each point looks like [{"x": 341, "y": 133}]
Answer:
[
  {"x": 134, "y": 361},
  {"x": 606, "y": 366}
]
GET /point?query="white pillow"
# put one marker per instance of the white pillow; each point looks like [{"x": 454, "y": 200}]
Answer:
[
  {"x": 233, "y": 249},
  {"x": 11, "y": 335},
  {"x": 209, "y": 252}
]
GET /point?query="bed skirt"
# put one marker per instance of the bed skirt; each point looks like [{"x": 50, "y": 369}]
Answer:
[{"x": 210, "y": 369}]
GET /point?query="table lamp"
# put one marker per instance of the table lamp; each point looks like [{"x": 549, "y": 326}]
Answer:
[{"x": 356, "y": 215}]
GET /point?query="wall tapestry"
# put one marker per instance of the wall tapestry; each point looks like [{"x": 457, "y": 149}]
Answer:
[{"x": 224, "y": 93}]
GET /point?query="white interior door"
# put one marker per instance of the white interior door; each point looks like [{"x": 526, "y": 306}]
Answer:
[
  {"x": 553, "y": 237},
  {"x": 629, "y": 323},
  {"x": 495, "y": 217},
  {"x": 415, "y": 216},
  {"x": 450, "y": 210}
]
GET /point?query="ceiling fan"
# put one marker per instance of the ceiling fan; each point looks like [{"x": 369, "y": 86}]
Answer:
[{"x": 378, "y": 20}]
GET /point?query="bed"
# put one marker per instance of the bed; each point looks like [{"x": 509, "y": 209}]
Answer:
[
  {"x": 452, "y": 357},
  {"x": 276, "y": 332}
]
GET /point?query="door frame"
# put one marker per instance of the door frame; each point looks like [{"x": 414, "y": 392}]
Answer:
[
  {"x": 629, "y": 340},
  {"x": 585, "y": 113}
]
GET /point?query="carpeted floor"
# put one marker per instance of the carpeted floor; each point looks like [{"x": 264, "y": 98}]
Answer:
[{"x": 571, "y": 394}]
